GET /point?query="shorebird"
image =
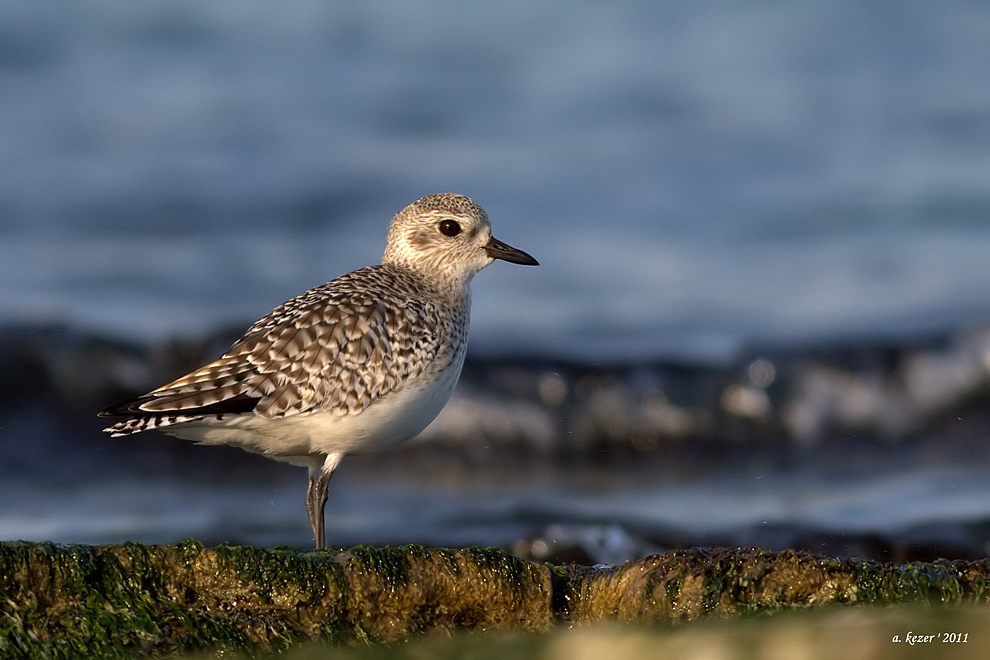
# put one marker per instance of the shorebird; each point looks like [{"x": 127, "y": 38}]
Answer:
[{"x": 357, "y": 365}]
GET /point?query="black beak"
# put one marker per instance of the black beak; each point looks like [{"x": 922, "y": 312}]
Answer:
[{"x": 499, "y": 250}]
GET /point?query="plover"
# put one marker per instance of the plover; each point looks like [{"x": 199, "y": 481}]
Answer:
[{"x": 356, "y": 365}]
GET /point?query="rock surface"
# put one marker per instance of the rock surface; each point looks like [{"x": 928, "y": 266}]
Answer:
[{"x": 122, "y": 600}]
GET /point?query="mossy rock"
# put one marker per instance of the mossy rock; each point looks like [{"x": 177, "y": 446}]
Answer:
[{"x": 132, "y": 599}]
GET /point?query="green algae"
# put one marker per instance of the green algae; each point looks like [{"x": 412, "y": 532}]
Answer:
[
  {"x": 509, "y": 569},
  {"x": 124, "y": 600},
  {"x": 694, "y": 584},
  {"x": 391, "y": 565},
  {"x": 940, "y": 582},
  {"x": 406, "y": 590},
  {"x": 80, "y": 601}
]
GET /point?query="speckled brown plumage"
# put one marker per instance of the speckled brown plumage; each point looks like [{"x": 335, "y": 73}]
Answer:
[{"x": 336, "y": 348}]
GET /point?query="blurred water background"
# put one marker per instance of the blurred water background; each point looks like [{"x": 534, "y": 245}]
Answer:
[{"x": 761, "y": 315}]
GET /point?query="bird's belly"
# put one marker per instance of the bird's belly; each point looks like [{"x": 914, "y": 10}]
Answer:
[{"x": 387, "y": 422}]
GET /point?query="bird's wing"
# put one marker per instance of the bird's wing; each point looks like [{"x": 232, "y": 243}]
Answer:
[{"x": 338, "y": 347}]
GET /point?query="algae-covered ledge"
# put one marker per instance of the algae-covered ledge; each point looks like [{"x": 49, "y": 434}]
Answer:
[{"x": 115, "y": 600}]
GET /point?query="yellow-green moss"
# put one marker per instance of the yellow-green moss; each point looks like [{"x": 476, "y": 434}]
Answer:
[{"x": 125, "y": 600}]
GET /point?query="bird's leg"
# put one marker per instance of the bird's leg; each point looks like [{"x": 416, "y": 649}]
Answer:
[{"x": 316, "y": 495}]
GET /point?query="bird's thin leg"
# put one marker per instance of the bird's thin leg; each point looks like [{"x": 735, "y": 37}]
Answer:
[{"x": 316, "y": 495}]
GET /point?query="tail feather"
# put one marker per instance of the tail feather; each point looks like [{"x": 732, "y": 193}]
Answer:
[
  {"x": 148, "y": 423},
  {"x": 242, "y": 403},
  {"x": 140, "y": 419}
]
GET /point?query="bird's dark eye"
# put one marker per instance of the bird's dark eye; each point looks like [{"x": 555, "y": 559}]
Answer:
[{"x": 450, "y": 228}]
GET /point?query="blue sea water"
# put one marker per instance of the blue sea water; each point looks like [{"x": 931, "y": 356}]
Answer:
[{"x": 694, "y": 177}]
